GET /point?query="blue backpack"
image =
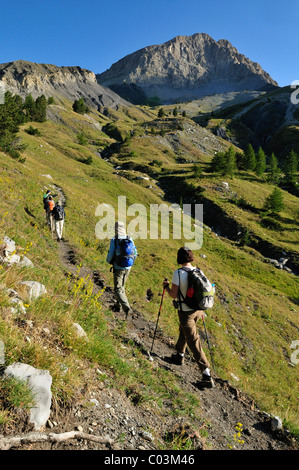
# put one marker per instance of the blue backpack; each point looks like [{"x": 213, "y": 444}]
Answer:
[{"x": 125, "y": 252}]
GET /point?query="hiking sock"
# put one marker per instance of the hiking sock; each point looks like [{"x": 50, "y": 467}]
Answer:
[{"x": 207, "y": 372}]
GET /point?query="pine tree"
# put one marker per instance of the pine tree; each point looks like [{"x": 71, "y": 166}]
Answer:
[
  {"x": 29, "y": 107},
  {"x": 40, "y": 109},
  {"x": 260, "y": 162},
  {"x": 274, "y": 203},
  {"x": 249, "y": 159},
  {"x": 290, "y": 167},
  {"x": 11, "y": 116},
  {"x": 230, "y": 163},
  {"x": 80, "y": 107},
  {"x": 273, "y": 170},
  {"x": 218, "y": 162}
]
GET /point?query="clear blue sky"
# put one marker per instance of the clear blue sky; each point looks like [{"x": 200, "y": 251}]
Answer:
[{"x": 96, "y": 33}]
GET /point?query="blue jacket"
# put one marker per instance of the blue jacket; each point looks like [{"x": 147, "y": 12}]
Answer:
[{"x": 112, "y": 252}]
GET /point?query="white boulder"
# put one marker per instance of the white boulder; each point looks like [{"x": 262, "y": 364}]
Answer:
[
  {"x": 39, "y": 381},
  {"x": 34, "y": 289}
]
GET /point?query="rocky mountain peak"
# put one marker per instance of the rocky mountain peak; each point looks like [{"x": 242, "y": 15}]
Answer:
[
  {"x": 22, "y": 77},
  {"x": 187, "y": 67}
]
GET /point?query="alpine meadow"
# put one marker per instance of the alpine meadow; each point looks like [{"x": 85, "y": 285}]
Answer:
[{"x": 176, "y": 127}]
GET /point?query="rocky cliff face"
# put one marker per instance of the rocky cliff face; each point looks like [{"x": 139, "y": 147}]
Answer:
[
  {"x": 21, "y": 77},
  {"x": 187, "y": 67}
]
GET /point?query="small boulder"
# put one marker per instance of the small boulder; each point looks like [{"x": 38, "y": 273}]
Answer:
[
  {"x": 34, "y": 289},
  {"x": 39, "y": 381},
  {"x": 79, "y": 330},
  {"x": 276, "y": 424},
  {"x": 26, "y": 263}
]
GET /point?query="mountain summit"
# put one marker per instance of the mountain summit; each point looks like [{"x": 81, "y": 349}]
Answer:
[{"x": 184, "y": 68}]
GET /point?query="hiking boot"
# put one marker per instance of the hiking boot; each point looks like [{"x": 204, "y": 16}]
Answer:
[
  {"x": 177, "y": 359},
  {"x": 129, "y": 311},
  {"x": 205, "y": 382}
]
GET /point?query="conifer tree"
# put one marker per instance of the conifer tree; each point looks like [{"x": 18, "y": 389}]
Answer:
[
  {"x": 273, "y": 170},
  {"x": 274, "y": 203},
  {"x": 290, "y": 167},
  {"x": 218, "y": 162},
  {"x": 11, "y": 116},
  {"x": 249, "y": 158},
  {"x": 261, "y": 165},
  {"x": 40, "y": 109},
  {"x": 230, "y": 163},
  {"x": 29, "y": 107},
  {"x": 80, "y": 107}
]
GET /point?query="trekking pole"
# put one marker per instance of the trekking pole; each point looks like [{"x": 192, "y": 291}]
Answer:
[
  {"x": 150, "y": 357},
  {"x": 203, "y": 319}
]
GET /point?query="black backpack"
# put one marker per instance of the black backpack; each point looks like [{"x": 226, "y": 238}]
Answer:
[
  {"x": 200, "y": 292},
  {"x": 58, "y": 213}
]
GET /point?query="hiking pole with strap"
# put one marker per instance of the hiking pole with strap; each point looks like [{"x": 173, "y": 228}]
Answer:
[
  {"x": 150, "y": 357},
  {"x": 203, "y": 319}
]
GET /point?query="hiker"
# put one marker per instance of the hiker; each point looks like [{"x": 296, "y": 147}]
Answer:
[
  {"x": 50, "y": 218},
  {"x": 188, "y": 334},
  {"x": 46, "y": 205},
  {"x": 122, "y": 259},
  {"x": 58, "y": 215},
  {"x": 45, "y": 198}
]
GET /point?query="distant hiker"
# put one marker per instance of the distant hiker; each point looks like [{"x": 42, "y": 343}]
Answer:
[
  {"x": 50, "y": 207},
  {"x": 122, "y": 254},
  {"x": 45, "y": 198},
  {"x": 58, "y": 215},
  {"x": 46, "y": 205},
  {"x": 188, "y": 334}
]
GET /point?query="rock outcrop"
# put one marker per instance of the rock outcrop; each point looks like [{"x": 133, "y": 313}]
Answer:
[
  {"x": 187, "y": 67},
  {"x": 39, "y": 381},
  {"x": 22, "y": 77}
]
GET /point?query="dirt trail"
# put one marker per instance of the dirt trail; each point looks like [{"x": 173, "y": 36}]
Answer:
[{"x": 222, "y": 407}]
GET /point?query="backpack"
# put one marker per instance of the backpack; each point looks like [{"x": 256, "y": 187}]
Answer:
[
  {"x": 51, "y": 205},
  {"x": 125, "y": 252},
  {"x": 58, "y": 213},
  {"x": 200, "y": 292}
]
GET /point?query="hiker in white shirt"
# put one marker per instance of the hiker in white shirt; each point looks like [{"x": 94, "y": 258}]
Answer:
[{"x": 188, "y": 335}]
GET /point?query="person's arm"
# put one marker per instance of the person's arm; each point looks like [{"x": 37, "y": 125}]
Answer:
[
  {"x": 173, "y": 291},
  {"x": 111, "y": 251}
]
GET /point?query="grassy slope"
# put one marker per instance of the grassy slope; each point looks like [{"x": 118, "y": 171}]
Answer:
[{"x": 252, "y": 324}]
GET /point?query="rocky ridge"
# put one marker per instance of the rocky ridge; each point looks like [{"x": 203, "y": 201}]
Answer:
[
  {"x": 187, "y": 67},
  {"x": 23, "y": 78}
]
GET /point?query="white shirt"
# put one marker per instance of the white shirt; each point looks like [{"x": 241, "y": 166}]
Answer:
[{"x": 181, "y": 279}]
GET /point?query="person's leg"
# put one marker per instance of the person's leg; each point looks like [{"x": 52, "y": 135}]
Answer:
[
  {"x": 52, "y": 223},
  {"x": 120, "y": 278},
  {"x": 60, "y": 229},
  {"x": 188, "y": 326},
  {"x": 57, "y": 229},
  {"x": 181, "y": 343}
]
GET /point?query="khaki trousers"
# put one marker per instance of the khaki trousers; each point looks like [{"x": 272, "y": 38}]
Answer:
[
  {"x": 59, "y": 228},
  {"x": 120, "y": 277},
  {"x": 189, "y": 337}
]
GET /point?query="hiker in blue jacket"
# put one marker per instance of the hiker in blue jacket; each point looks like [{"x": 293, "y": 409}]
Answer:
[{"x": 122, "y": 253}]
